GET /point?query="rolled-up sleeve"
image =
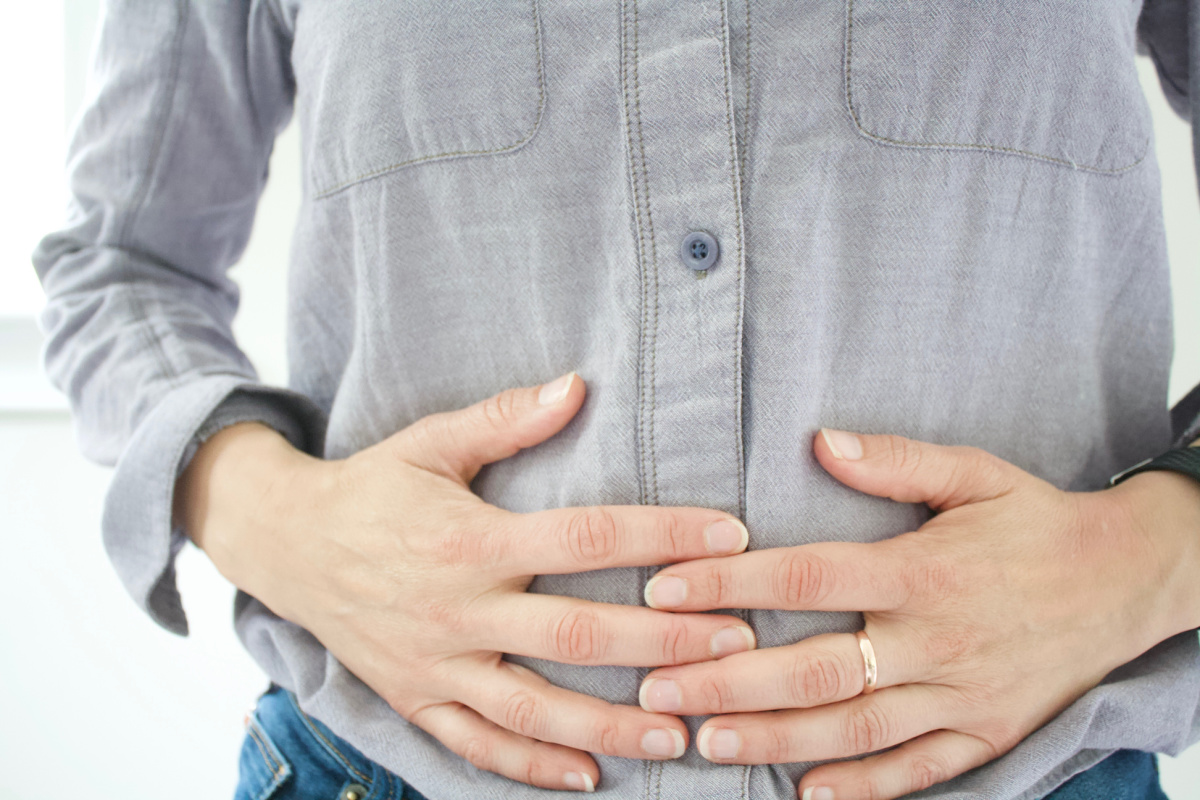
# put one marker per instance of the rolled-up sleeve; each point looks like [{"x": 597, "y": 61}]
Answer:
[{"x": 165, "y": 168}]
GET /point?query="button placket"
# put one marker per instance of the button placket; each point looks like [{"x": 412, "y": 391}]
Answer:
[{"x": 684, "y": 174}]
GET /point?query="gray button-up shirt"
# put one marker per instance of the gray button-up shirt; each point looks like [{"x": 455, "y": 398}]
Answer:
[{"x": 935, "y": 219}]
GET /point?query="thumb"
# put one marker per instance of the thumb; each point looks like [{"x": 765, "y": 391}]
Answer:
[
  {"x": 458, "y": 443},
  {"x": 909, "y": 471}
]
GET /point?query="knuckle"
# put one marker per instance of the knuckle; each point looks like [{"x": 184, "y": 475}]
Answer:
[
  {"x": 867, "y": 729},
  {"x": 718, "y": 584},
  {"x": 458, "y": 546},
  {"x": 673, "y": 535},
  {"x": 868, "y": 789},
  {"x": 934, "y": 578},
  {"x": 478, "y": 751},
  {"x": 949, "y": 645},
  {"x": 467, "y": 541},
  {"x": 500, "y": 410},
  {"x": 593, "y": 535},
  {"x": 676, "y": 641},
  {"x": 904, "y": 456},
  {"x": 926, "y": 769},
  {"x": 607, "y": 738},
  {"x": 778, "y": 745},
  {"x": 524, "y": 713},
  {"x": 813, "y": 680},
  {"x": 577, "y": 637},
  {"x": 529, "y": 772},
  {"x": 442, "y": 614},
  {"x": 801, "y": 580},
  {"x": 716, "y": 692}
]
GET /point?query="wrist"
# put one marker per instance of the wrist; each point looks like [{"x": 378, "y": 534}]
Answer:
[
  {"x": 1163, "y": 510},
  {"x": 236, "y": 484}
]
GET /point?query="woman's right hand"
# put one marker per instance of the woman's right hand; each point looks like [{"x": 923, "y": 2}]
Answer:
[{"x": 418, "y": 586}]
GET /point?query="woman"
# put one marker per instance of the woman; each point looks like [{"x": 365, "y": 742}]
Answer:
[{"x": 749, "y": 228}]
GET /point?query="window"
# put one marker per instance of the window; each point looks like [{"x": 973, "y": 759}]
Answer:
[{"x": 32, "y": 144}]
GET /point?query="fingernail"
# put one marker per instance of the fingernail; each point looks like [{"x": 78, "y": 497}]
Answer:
[
  {"x": 719, "y": 743},
  {"x": 663, "y": 742},
  {"x": 554, "y": 391},
  {"x": 817, "y": 793},
  {"x": 727, "y": 641},
  {"x": 660, "y": 694},
  {"x": 726, "y": 536},
  {"x": 845, "y": 446},
  {"x": 579, "y": 781},
  {"x": 666, "y": 592}
]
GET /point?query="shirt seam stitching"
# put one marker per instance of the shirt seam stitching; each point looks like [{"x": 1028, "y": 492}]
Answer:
[
  {"x": 505, "y": 148},
  {"x": 639, "y": 432},
  {"x": 628, "y": 70},
  {"x": 737, "y": 210},
  {"x": 746, "y": 113},
  {"x": 735, "y": 181},
  {"x": 983, "y": 146},
  {"x": 651, "y": 322}
]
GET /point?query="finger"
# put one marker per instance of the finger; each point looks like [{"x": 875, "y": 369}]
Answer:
[
  {"x": 492, "y": 748},
  {"x": 850, "y": 728},
  {"x": 458, "y": 443},
  {"x": 818, "y": 671},
  {"x": 826, "y": 576},
  {"x": 913, "y": 472},
  {"x": 572, "y": 631},
  {"x": 565, "y": 540},
  {"x": 522, "y": 701},
  {"x": 911, "y": 767}
]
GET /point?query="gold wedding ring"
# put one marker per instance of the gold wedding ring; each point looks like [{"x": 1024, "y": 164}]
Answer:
[{"x": 868, "y": 653}]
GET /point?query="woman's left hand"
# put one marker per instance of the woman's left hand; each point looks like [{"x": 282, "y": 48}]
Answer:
[{"x": 986, "y": 622}]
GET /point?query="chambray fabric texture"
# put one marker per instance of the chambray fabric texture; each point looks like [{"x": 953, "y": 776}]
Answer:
[{"x": 940, "y": 220}]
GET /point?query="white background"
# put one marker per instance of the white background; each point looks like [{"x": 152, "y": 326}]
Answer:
[{"x": 95, "y": 700}]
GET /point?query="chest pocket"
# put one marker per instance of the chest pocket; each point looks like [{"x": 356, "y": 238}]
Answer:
[
  {"x": 1053, "y": 80},
  {"x": 383, "y": 86}
]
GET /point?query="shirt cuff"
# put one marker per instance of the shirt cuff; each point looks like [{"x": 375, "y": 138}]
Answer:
[{"x": 137, "y": 528}]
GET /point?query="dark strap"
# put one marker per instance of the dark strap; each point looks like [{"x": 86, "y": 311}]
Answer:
[
  {"x": 1185, "y": 460},
  {"x": 1185, "y": 413}
]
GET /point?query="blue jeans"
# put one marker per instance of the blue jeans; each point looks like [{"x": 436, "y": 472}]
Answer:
[
  {"x": 1125, "y": 775},
  {"x": 288, "y": 755}
]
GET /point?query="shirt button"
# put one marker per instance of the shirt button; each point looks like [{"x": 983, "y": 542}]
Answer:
[{"x": 699, "y": 250}]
